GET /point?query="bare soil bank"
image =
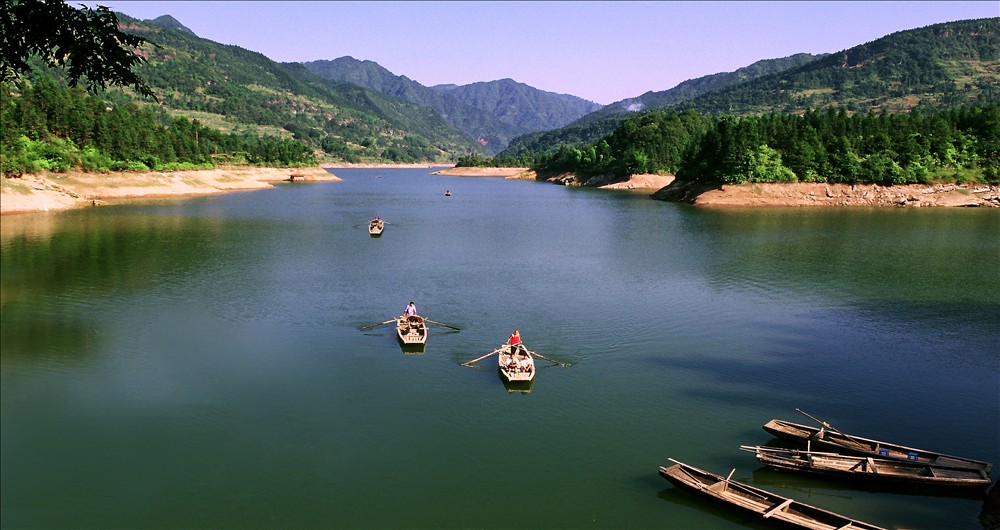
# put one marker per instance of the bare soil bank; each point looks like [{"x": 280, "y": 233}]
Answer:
[
  {"x": 665, "y": 187},
  {"x": 819, "y": 194},
  {"x": 511, "y": 172},
  {"x": 60, "y": 191}
]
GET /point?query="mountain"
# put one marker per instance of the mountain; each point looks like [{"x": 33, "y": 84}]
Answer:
[
  {"x": 593, "y": 126},
  {"x": 168, "y": 21},
  {"x": 234, "y": 89},
  {"x": 492, "y": 113},
  {"x": 937, "y": 66}
]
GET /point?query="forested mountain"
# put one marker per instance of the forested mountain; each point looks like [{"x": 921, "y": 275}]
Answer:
[
  {"x": 492, "y": 113},
  {"x": 597, "y": 124},
  {"x": 232, "y": 88},
  {"x": 938, "y": 66}
]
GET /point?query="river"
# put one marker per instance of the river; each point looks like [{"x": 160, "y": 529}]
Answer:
[{"x": 202, "y": 363}]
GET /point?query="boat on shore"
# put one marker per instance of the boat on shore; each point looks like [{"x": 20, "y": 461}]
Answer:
[
  {"x": 411, "y": 330},
  {"x": 375, "y": 227},
  {"x": 870, "y": 469},
  {"x": 770, "y": 506},
  {"x": 830, "y": 438},
  {"x": 516, "y": 363}
]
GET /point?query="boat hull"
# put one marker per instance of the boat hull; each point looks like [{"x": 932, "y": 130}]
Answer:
[
  {"x": 872, "y": 470},
  {"x": 411, "y": 331},
  {"x": 825, "y": 438},
  {"x": 518, "y": 367},
  {"x": 765, "y": 504}
]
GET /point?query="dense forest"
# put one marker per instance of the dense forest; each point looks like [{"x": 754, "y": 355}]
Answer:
[
  {"x": 48, "y": 126},
  {"x": 831, "y": 145}
]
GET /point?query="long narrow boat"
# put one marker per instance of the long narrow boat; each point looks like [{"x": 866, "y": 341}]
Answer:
[
  {"x": 411, "y": 330},
  {"x": 516, "y": 363},
  {"x": 870, "y": 469},
  {"x": 836, "y": 440},
  {"x": 375, "y": 227},
  {"x": 769, "y": 506}
]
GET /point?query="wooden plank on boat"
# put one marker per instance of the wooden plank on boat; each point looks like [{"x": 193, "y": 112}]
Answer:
[
  {"x": 765, "y": 504},
  {"x": 779, "y": 508}
]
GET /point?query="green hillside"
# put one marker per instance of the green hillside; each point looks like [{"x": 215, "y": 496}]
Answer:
[
  {"x": 597, "y": 124},
  {"x": 938, "y": 66},
  {"x": 235, "y": 89},
  {"x": 935, "y": 67}
]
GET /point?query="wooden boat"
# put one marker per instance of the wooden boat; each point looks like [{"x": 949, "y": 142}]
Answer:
[
  {"x": 869, "y": 468},
  {"x": 769, "y": 506},
  {"x": 411, "y": 330},
  {"x": 516, "y": 363},
  {"x": 832, "y": 439},
  {"x": 376, "y": 226}
]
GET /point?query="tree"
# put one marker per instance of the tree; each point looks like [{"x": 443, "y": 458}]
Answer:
[{"x": 87, "y": 42}]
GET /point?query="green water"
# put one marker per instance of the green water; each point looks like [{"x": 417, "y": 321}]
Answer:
[{"x": 202, "y": 363}]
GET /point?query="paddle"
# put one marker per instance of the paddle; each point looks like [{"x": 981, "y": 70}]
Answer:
[
  {"x": 831, "y": 427},
  {"x": 494, "y": 352},
  {"x": 379, "y": 324},
  {"x": 440, "y": 324},
  {"x": 540, "y": 356}
]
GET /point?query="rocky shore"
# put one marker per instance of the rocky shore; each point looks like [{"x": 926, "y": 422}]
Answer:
[{"x": 76, "y": 189}]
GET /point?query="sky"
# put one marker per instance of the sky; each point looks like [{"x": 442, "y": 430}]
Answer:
[{"x": 602, "y": 51}]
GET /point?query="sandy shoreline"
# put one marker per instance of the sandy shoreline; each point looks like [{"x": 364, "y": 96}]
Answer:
[
  {"x": 505, "y": 172},
  {"x": 76, "y": 189}
]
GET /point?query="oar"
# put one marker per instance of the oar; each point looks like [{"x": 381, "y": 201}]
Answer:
[
  {"x": 481, "y": 358},
  {"x": 831, "y": 427},
  {"x": 379, "y": 324},
  {"x": 540, "y": 356},
  {"x": 440, "y": 324}
]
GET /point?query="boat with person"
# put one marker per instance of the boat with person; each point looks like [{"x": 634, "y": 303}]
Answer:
[
  {"x": 411, "y": 330},
  {"x": 769, "y": 506},
  {"x": 830, "y": 438},
  {"x": 516, "y": 363},
  {"x": 375, "y": 227},
  {"x": 870, "y": 469}
]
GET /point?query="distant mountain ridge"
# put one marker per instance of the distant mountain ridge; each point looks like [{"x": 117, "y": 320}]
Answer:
[
  {"x": 493, "y": 112},
  {"x": 597, "y": 124}
]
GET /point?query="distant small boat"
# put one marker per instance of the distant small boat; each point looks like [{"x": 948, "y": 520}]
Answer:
[
  {"x": 516, "y": 363},
  {"x": 841, "y": 442},
  {"x": 870, "y": 469},
  {"x": 375, "y": 227},
  {"x": 411, "y": 330},
  {"x": 769, "y": 506},
  {"x": 447, "y": 194}
]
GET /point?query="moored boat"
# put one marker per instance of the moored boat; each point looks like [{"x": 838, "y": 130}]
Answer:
[
  {"x": 515, "y": 363},
  {"x": 769, "y": 506},
  {"x": 867, "y": 468},
  {"x": 830, "y": 438},
  {"x": 376, "y": 226},
  {"x": 411, "y": 330}
]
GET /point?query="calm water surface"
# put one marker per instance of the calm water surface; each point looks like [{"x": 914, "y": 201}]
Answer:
[{"x": 202, "y": 363}]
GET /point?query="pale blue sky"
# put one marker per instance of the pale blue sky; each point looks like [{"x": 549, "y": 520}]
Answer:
[{"x": 601, "y": 51}]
